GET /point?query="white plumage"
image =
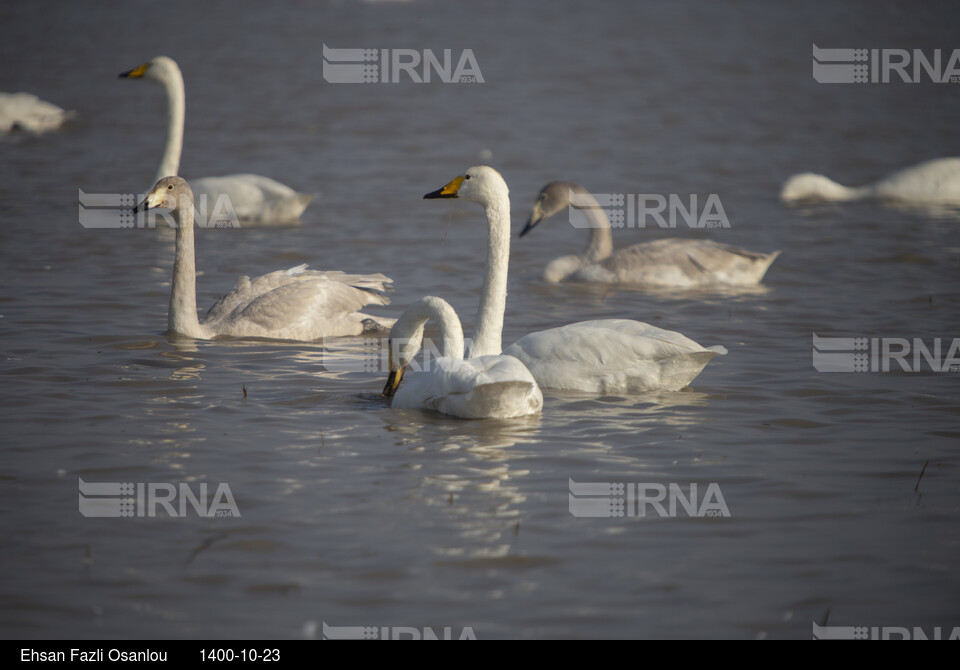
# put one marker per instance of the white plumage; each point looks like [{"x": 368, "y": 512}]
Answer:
[
  {"x": 253, "y": 198},
  {"x": 294, "y": 304},
  {"x": 612, "y": 356},
  {"x": 486, "y": 387},
  {"x": 934, "y": 182},
  {"x": 604, "y": 356},
  {"x": 27, "y": 112}
]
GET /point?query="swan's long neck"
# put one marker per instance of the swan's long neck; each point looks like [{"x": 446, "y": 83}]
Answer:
[
  {"x": 407, "y": 333},
  {"x": 841, "y": 193},
  {"x": 809, "y": 186},
  {"x": 601, "y": 241},
  {"x": 493, "y": 300},
  {"x": 182, "y": 315},
  {"x": 176, "y": 109}
]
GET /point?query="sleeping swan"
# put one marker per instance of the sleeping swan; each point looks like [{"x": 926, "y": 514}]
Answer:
[
  {"x": 28, "y": 113},
  {"x": 935, "y": 182}
]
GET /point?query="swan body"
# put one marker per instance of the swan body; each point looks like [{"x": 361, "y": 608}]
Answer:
[
  {"x": 294, "y": 304},
  {"x": 487, "y": 387},
  {"x": 252, "y": 198},
  {"x": 671, "y": 262},
  {"x": 27, "y": 112},
  {"x": 603, "y": 356},
  {"x": 612, "y": 356},
  {"x": 935, "y": 182}
]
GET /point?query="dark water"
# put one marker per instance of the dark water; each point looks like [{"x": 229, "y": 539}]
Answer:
[{"x": 356, "y": 515}]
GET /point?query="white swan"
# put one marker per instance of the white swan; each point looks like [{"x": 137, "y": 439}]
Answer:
[
  {"x": 935, "y": 182},
  {"x": 27, "y": 112},
  {"x": 671, "y": 262},
  {"x": 607, "y": 356},
  {"x": 294, "y": 304},
  {"x": 486, "y": 387},
  {"x": 253, "y": 198}
]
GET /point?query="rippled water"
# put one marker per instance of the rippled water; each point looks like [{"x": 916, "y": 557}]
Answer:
[{"x": 356, "y": 515}]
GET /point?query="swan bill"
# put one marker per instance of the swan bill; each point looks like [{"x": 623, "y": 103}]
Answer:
[
  {"x": 448, "y": 191},
  {"x": 136, "y": 72},
  {"x": 149, "y": 202},
  {"x": 535, "y": 217},
  {"x": 393, "y": 382}
]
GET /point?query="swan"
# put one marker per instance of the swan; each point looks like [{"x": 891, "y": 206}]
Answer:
[
  {"x": 294, "y": 304},
  {"x": 671, "y": 262},
  {"x": 253, "y": 198},
  {"x": 27, "y": 112},
  {"x": 935, "y": 182},
  {"x": 485, "y": 387},
  {"x": 605, "y": 356}
]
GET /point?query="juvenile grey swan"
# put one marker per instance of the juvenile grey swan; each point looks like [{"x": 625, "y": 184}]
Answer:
[
  {"x": 670, "y": 262},
  {"x": 294, "y": 304}
]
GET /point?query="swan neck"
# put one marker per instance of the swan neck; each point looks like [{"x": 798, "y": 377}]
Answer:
[
  {"x": 406, "y": 336},
  {"x": 601, "y": 240},
  {"x": 831, "y": 190},
  {"x": 493, "y": 300},
  {"x": 182, "y": 315},
  {"x": 176, "y": 109},
  {"x": 858, "y": 193},
  {"x": 451, "y": 335}
]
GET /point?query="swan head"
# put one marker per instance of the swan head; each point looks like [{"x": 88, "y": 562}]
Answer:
[
  {"x": 161, "y": 69},
  {"x": 406, "y": 337},
  {"x": 172, "y": 193},
  {"x": 481, "y": 184},
  {"x": 812, "y": 188},
  {"x": 554, "y": 197}
]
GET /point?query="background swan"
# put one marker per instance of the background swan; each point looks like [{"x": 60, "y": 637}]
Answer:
[
  {"x": 605, "y": 356},
  {"x": 294, "y": 304},
  {"x": 487, "y": 387},
  {"x": 671, "y": 262},
  {"x": 253, "y": 198},
  {"x": 27, "y": 112},
  {"x": 935, "y": 182}
]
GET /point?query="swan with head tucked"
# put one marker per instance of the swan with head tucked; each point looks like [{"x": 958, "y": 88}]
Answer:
[
  {"x": 604, "y": 356},
  {"x": 294, "y": 304},
  {"x": 935, "y": 182},
  {"x": 26, "y": 112},
  {"x": 253, "y": 198},
  {"x": 485, "y": 387},
  {"x": 671, "y": 262}
]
